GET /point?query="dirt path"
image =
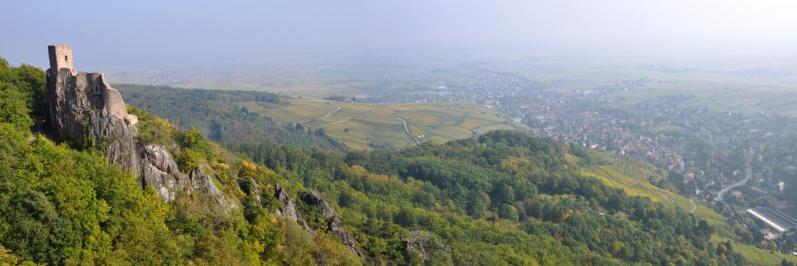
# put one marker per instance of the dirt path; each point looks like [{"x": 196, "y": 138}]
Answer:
[{"x": 338, "y": 122}]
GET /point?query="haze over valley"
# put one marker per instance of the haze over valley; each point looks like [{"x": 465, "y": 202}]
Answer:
[{"x": 398, "y": 133}]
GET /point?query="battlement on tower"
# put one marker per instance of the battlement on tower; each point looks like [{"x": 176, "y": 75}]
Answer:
[{"x": 60, "y": 56}]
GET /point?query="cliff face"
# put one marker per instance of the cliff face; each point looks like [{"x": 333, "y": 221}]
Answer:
[{"x": 85, "y": 110}]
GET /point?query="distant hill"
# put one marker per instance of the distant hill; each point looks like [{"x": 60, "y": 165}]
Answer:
[
  {"x": 216, "y": 114},
  {"x": 363, "y": 126}
]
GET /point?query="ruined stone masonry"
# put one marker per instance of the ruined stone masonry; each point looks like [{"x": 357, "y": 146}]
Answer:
[{"x": 85, "y": 110}]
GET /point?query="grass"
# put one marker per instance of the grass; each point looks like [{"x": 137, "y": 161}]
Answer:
[{"x": 364, "y": 126}]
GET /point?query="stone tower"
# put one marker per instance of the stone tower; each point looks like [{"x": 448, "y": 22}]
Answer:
[{"x": 60, "y": 56}]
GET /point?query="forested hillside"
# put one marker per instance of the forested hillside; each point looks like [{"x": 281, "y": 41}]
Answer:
[
  {"x": 216, "y": 115},
  {"x": 504, "y": 198},
  {"x": 64, "y": 204},
  {"x": 504, "y": 193}
]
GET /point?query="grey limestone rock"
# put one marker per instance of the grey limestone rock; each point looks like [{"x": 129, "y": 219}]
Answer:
[
  {"x": 159, "y": 170},
  {"x": 287, "y": 205},
  {"x": 333, "y": 222},
  {"x": 202, "y": 183}
]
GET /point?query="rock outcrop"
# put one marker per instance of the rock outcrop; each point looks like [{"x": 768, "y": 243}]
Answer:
[
  {"x": 159, "y": 170},
  {"x": 334, "y": 225},
  {"x": 287, "y": 207},
  {"x": 202, "y": 183},
  {"x": 416, "y": 243},
  {"x": 88, "y": 112}
]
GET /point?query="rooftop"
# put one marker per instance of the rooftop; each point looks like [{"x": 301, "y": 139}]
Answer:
[{"x": 777, "y": 220}]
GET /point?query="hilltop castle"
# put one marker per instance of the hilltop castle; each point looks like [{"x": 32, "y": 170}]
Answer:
[
  {"x": 86, "y": 111},
  {"x": 92, "y": 86}
]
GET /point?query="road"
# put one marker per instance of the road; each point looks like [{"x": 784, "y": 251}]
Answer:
[
  {"x": 406, "y": 126},
  {"x": 721, "y": 194},
  {"x": 748, "y": 174},
  {"x": 330, "y": 113}
]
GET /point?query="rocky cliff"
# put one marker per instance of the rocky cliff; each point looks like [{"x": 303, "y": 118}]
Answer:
[
  {"x": 86, "y": 111},
  {"x": 332, "y": 223}
]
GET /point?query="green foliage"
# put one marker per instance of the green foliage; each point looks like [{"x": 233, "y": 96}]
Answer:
[
  {"x": 15, "y": 96},
  {"x": 152, "y": 129},
  {"x": 534, "y": 206},
  {"x": 8, "y": 258},
  {"x": 194, "y": 149},
  {"x": 58, "y": 205},
  {"x": 215, "y": 114},
  {"x": 502, "y": 199},
  {"x": 13, "y": 108},
  {"x": 302, "y": 249}
]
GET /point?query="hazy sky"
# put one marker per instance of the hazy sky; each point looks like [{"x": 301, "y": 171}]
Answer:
[{"x": 207, "y": 33}]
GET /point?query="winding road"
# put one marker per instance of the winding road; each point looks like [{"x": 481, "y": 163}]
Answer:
[
  {"x": 748, "y": 174},
  {"x": 330, "y": 113},
  {"x": 406, "y": 126},
  {"x": 723, "y": 191}
]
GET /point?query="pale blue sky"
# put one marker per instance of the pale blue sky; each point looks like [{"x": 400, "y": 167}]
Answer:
[{"x": 207, "y": 33}]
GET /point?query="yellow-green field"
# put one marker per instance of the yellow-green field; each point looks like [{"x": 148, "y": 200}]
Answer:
[
  {"x": 633, "y": 179},
  {"x": 365, "y": 126}
]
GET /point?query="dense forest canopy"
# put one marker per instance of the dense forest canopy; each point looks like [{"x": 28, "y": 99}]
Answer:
[
  {"x": 504, "y": 198},
  {"x": 214, "y": 114}
]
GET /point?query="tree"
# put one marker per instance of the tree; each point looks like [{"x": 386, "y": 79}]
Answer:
[{"x": 14, "y": 107}]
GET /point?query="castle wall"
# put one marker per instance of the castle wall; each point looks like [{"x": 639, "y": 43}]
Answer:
[
  {"x": 60, "y": 56},
  {"x": 91, "y": 85}
]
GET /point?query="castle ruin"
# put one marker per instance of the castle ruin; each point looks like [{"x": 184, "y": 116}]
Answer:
[
  {"x": 86, "y": 111},
  {"x": 81, "y": 92}
]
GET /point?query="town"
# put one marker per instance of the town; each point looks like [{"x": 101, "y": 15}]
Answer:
[{"x": 707, "y": 153}]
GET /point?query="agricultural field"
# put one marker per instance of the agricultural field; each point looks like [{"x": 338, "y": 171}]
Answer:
[
  {"x": 732, "y": 95},
  {"x": 363, "y": 126},
  {"x": 732, "y": 87}
]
